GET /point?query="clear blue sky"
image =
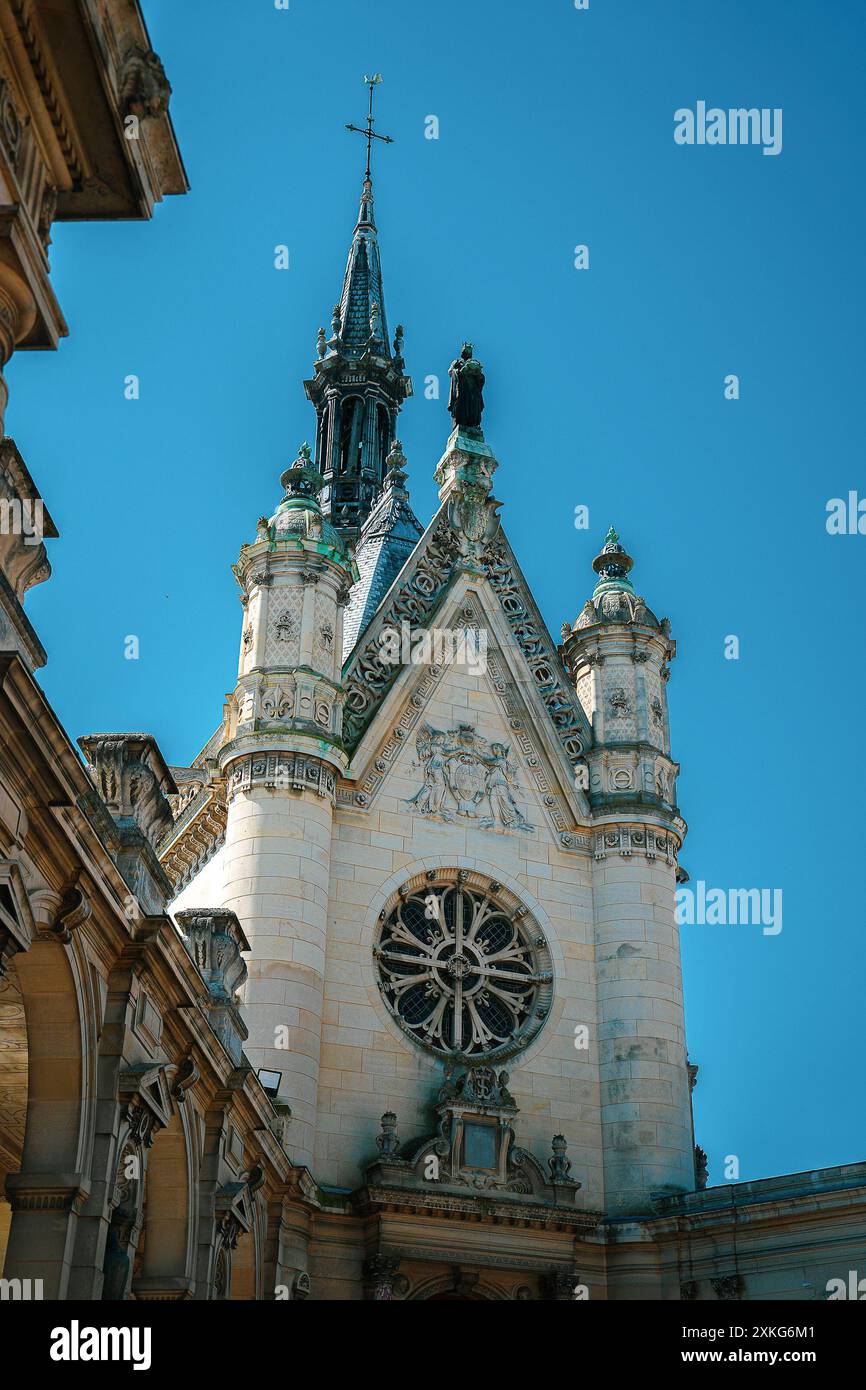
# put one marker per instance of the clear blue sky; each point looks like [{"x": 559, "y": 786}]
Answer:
[{"x": 604, "y": 388}]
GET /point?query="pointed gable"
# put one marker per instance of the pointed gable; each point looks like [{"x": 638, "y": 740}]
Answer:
[{"x": 465, "y": 536}]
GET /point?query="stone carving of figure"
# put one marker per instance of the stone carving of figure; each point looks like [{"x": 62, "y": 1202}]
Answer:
[
  {"x": 466, "y": 399},
  {"x": 498, "y": 788},
  {"x": 429, "y": 800},
  {"x": 559, "y": 1163}
]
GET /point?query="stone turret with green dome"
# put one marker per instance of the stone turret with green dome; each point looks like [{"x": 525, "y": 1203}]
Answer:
[
  {"x": 618, "y": 654},
  {"x": 285, "y": 716}
]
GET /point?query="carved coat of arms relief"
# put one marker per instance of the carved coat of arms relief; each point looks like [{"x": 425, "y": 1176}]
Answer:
[{"x": 467, "y": 776}]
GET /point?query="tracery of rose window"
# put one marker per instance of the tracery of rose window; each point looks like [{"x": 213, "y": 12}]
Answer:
[{"x": 464, "y": 973}]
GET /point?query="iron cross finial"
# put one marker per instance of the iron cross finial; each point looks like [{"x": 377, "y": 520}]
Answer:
[{"x": 368, "y": 132}]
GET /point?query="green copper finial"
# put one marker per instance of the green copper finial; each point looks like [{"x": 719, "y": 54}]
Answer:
[{"x": 612, "y": 566}]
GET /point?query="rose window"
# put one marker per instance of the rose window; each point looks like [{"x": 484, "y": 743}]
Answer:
[{"x": 463, "y": 966}]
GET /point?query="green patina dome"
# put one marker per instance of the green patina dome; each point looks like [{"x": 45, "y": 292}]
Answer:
[
  {"x": 299, "y": 516},
  {"x": 612, "y": 566}
]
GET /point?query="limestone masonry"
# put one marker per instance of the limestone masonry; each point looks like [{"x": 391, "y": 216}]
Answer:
[{"x": 381, "y": 996}]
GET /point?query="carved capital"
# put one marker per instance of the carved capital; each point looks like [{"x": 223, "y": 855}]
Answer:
[
  {"x": 380, "y": 1273},
  {"x": 560, "y": 1285}
]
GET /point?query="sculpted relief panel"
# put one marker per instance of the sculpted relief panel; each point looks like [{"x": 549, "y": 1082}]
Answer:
[{"x": 465, "y": 775}]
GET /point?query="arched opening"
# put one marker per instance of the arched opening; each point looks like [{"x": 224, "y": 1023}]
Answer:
[
  {"x": 247, "y": 1257},
  {"x": 52, "y": 1015},
  {"x": 164, "y": 1251},
  {"x": 323, "y": 458},
  {"x": 243, "y": 1286},
  {"x": 45, "y": 993},
  {"x": 351, "y": 434},
  {"x": 13, "y": 1092},
  {"x": 383, "y": 438}
]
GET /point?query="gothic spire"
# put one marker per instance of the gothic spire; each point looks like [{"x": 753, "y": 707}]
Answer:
[{"x": 359, "y": 383}]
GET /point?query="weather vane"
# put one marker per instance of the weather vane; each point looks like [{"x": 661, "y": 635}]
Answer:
[{"x": 368, "y": 131}]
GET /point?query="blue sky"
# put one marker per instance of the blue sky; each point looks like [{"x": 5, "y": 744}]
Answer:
[{"x": 605, "y": 388}]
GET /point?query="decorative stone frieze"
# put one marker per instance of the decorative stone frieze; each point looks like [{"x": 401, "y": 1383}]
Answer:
[
  {"x": 532, "y": 637},
  {"x": 635, "y": 839},
  {"x": 295, "y": 772}
]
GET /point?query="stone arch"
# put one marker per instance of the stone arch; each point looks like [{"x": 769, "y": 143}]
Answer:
[
  {"x": 166, "y": 1247},
  {"x": 48, "y": 1191},
  {"x": 13, "y": 1090},
  {"x": 237, "y": 1263},
  {"x": 449, "y": 1287},
  {"x": 55, "y": 1137},
  {"x": 125, "y": 1215},
  {"x": 247, "y": 1259},
  {"x": 351, "y": 433}
]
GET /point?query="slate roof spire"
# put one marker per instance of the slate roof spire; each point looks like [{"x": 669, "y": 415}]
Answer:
[
  {"x": 388, "y": 537},
  {"x": 359, "y": 383}
]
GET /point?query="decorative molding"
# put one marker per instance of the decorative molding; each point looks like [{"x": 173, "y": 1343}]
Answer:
[
  {"x": 632, "y": 839},
  {"x": 297, "y": 772},
  {"x": 541, "y": 657}
]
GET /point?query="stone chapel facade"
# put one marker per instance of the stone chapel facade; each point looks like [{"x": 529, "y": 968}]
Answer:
[
  {"x": 457, "y": 877},
  {"x": 380, "y": 997}
]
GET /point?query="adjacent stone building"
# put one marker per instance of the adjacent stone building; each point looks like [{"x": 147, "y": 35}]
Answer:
[{"x": 380, "y": 997}]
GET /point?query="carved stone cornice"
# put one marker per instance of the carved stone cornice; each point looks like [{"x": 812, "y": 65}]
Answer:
[
  {"x": 201, "y": 812},
  {"x": 373, "y": 1200},
  {"x": 632, "y": 838},
  {"x": 291, "y": 772},
  {"x": 60, "y": 1192}
]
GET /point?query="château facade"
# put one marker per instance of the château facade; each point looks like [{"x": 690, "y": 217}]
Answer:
[{"x": 380, "y": 996}]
